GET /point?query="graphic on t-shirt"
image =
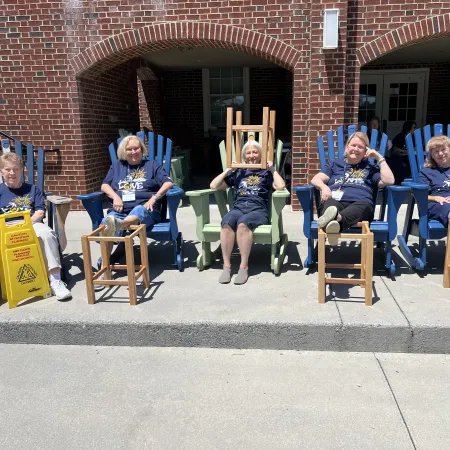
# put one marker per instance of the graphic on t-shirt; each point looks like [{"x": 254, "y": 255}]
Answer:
[
  {"x": 134, "y": 181},
  {"x": 446, "y": 184},
  {"x": 18, "y": 204},
  {"x": 355, "y": 176},
  {"x": 250, "y": 185}
]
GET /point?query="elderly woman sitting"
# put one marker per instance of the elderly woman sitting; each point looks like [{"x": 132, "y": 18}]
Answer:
[
  {"x": 348, "y": 186},
  {"x": 436, "y": 173},
  {"x": 250, "y": 208},
  {"x": 134, "y": 188},
  {"x": 17, "y": 196}
]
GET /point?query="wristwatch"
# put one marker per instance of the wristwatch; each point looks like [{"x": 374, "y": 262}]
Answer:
[{"x": 157, "y": 196}]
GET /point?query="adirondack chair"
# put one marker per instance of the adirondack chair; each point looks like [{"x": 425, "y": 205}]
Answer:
[
  {"x": 423, "y": 228},
  {"x": 165, "y": 231},
  {"x": 34, "y": 174},
  {"x": 391, "y": 197},
  {"x": 207, "y": 232}
]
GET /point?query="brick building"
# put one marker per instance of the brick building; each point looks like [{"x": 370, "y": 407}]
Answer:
[{"x": 74, "y": 71}]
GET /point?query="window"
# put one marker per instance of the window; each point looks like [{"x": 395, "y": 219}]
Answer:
[
  {"x": 367, "y": 102},
  {"x": 222, "y": 88},
  {"x": 402, "y": 101}
]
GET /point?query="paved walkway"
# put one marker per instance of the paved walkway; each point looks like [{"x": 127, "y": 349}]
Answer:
[
  {"x": 108, "y": 398},
  {"x": 410, "y": 314}
]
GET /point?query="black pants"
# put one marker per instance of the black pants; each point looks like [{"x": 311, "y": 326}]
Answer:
[{"x": 351, "y": 212}]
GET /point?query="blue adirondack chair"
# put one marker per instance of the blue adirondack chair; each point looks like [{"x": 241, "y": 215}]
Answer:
[
  {"x": 391, "y": 197},
  {"x": 165, "y": 231},
  {"x": 423, "y": 228}
]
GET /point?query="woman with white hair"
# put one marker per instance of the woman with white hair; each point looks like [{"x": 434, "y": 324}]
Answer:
[
  {"x": 436, "y": 173},
  {"x": 250, "y": 209}
]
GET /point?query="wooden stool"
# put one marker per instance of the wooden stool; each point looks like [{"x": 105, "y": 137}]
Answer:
[
  {"x": 366, "y": 265},
  {"x": 130, "y": 267},
  {"x": 447, "y": 262}
]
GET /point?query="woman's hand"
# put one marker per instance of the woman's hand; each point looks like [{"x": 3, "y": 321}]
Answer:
[
  {"x": 441, "y": 200},
  {"x": 371, "y": 153},
  {"x": 150, "y": 203},
  {"x": 325, "y": 193},
  {"x": 117, "y": 204},
  {"x": 270, "y": 166},
  {"x": 229, "y": 170}
]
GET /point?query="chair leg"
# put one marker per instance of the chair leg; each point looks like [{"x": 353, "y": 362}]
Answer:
[
  {"x": 311, "y": 258},
  {"x": 369, "y": 269},
  {"x": 88, "y": 269},
  {"x": 447, "y": 263},
  {"x": 321, "y": 266},
  {"x": 130, "y": 270}
]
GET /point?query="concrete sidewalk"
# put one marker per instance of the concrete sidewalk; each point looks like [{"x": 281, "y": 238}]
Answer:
[
  {"x": 410, "y": 314},
  {"x": 106, "y": 398}
]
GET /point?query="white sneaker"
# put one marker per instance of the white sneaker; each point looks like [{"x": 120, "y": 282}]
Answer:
[
  {"x": 99, "y": 287},
  {"x": 328, "y": 215},
  {"x": 60, "y": 290},
  {"x": 113, "y": 225},
  {"x": 333, "y": 227}
]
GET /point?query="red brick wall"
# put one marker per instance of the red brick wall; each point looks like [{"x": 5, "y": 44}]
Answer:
[
  {"x": 150, "y": 113},
  {"x": 55, "y": 56}
]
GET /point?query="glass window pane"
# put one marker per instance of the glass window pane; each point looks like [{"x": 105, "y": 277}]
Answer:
[
  {"x": 401, "y": 114},
  {"x": 412, "y": 102},
  {"x": 393, "y": 102},
  {"x": 362, "y": 116},
  {"x": 412, "y": 88},
  {"x": 403, "y": 89},
  {"x": 216, "y": 118},
  {"x": 214, "y": 73},
  {"x": 238, "y": 72},
  {"x": 214, "y": 86},
  {"x": 226, "y": 73},
  {"x": 226, "y": 84},
  {"x": 363, "y": 89},
  {"x": 392, "y": 114},
  {"x": 216, "y": 103},
  {"x": 238, "y": 85},
  {"x": 372, "y": 89},
  {"x": 238, "y": 102},
  {"x": 411, "y": 114},
  {"x": 402, "y": 101},
  {"x": 371, "y": 102}
]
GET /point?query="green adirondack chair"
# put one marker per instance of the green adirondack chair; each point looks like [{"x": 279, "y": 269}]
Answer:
[{"x": 207, "y": 232}]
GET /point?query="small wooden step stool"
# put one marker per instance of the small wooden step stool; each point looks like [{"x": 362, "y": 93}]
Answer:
[
  {"x": 130, "y": 267},
  {"x": 366, "y": 265},
  {"x": 447, "y": 262}
]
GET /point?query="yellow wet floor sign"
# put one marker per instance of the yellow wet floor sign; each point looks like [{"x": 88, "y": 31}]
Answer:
[{"x": 23, "y": 272}]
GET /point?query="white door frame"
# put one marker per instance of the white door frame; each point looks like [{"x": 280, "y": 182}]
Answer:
[{"x": 424, "y": 70}]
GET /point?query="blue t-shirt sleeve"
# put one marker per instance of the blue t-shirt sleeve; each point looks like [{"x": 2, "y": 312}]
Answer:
[
  {"x": 231, "y": 179},
  {"x": 161, "y": 176},
  {"x": 39, "y": 204},
  {"x": 109, "y": 176},
  {"x": 423, "y": 179},
  {"x": 376, "y": 176},
  {"x": 328, "y": 169}
]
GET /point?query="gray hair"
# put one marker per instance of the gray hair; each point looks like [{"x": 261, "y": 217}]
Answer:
[
  {"x": 251, "y": 143},
  {"x": 121, "y": 152}
]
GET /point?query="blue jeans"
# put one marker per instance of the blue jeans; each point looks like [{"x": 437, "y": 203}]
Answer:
[{"x": 149, "y": 218}]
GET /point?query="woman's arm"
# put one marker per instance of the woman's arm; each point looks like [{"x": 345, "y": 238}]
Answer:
[
  {"x": 161, "y": 192},
  {"x": 320, "y": 181},
  {"x": 278, "y": 182},
  {"x": 438, "y": 199},
  {"x": 386, "y": 175},
  {"x": 117, "y": 201},
  {"x": 38, "y": 216},
  {"x": 219, "y": 182}
]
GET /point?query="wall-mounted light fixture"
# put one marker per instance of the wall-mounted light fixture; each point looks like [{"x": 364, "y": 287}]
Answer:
[{"x": 331, "y": 28}]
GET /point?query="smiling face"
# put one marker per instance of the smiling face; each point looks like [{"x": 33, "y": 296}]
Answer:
[
  {"x": 11, "y": 173},
  {"x": 355, "y": 150},
  {"x": 133, "y": 152},
  {"x": 252, "y": 155},
  {"x": 441, "y": 156}
]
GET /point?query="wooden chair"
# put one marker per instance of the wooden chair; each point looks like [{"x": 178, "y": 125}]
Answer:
[
  {"x": 165, "y": 231},
  {"x": 423, "y": 228},
  {"x": 106, "y": 268},
  {"x": 366, "y": 265},
  {"x": 385, "y": 231},
  {"x": 447, "y": 263},
  {"x": 271, "y": 234}
]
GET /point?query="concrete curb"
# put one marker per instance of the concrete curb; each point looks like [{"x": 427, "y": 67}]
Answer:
[{"x": 285, "y": 336}]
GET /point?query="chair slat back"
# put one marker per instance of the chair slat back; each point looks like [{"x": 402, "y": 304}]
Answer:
[
  {"x": 163, "y": 153},
  {"x": 335, "y": 143},
  {"x": 417, "y": 147}
]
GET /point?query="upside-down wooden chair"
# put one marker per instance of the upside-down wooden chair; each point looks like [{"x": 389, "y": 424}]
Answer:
[
  {"x": 271, "y": 234},
  {"x": 423, "y": 228},
  {"x": 384, "y": 231},
  {"x": 167, "y": 229}
]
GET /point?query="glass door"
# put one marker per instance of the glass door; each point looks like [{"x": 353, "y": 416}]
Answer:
[{"x": 370, "y": 98}]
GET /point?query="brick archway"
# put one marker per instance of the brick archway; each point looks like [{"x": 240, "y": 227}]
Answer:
[
  {"x": 429, "y": 28},
  {"x": 122, "y": 47}
]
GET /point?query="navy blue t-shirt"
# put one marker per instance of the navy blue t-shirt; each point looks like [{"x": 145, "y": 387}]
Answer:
[
  {"x": 252, "y": 187},
  {"x": 144, "y": 180},
  {"x": 359, "y": 182},
  {"x": 26, "y": 198},
  {"x": 437, "y": 179}
]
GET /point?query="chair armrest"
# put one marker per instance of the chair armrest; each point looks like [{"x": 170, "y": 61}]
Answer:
[
  {"x": 284, "y": 193},
  {"x": 395, "y": 197},
  {"x": 173, "y": 202},
  {"x": 278, "y": 203},
  {"x": 305, "y": 195},
  {"x": 420, "y": 193},
  {"x": 200, "y": 202},
  {"x": 200, "y": 193},
  {"x": 93, "y": 205}
]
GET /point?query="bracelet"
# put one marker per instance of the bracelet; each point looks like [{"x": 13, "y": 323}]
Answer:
[
  {"x": 157, "y": 196},
  {"x": 381, "y": 160}
]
